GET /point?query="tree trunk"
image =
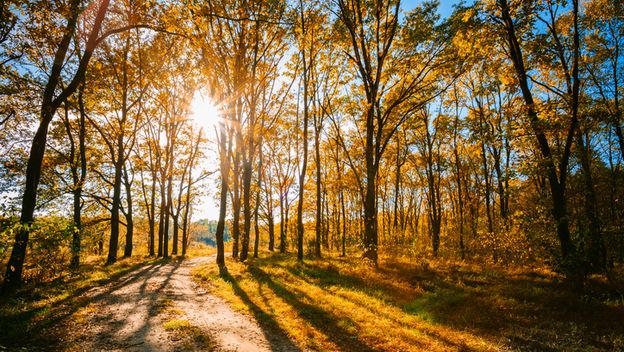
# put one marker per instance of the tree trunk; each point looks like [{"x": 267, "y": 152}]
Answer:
[
  {"x": 486, "y": 169},
  {"x": 304, "y": 163},
  {"x": 397, "y": 188},
  {"x": 224, "y": 155},
  {"x": 256, "y": 225},
  {"x": 596, "y": 251},
  {"x": 271, "y": 224},
  {"x": 319, "y": 198},
  {"x": 500, "y": 185},
  {"x": 257, "y": 204},
  {"x": 75, "y": 260},
  {"x": 167, "y": 212},
  {"x": 113, "y": 243},
  {"x": 246, "y": 209},
  {"x": 186, "y": 229},
  {"x": 557, "y": 182},
  {"x": 460, "y": 201},
  {"x": 162, "y": 215},
  {"x": 325, "y": 227},
  {"x": 344, "y": 224},
  {"x": 270, "y": 218},
  {"x": 176, "y": 232},
  {"x": 282, "y": 245},
  {"x": 78, "y": 186},
  {"x": 370, "y": 210},
  {"x": 236, "y": 205},
  {"x": 152, "y": 218},
  {"x": 129, "y": 216}
]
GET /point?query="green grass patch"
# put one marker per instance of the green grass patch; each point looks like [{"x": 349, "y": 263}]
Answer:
[{"x": 176, "y": 324}]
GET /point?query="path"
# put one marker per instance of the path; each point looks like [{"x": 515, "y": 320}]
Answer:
[{"x": 129, "y": 315}]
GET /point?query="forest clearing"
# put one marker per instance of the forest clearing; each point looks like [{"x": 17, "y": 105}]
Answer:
[{"x": 290, "y": 175}]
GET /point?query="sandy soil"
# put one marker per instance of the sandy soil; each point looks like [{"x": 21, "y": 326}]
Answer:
[{"x": 130, "y": 315}]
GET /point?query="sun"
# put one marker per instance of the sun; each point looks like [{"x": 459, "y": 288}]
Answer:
[
  {"x": 204, "y": 112},
  {"x": 205, "y": 115}
]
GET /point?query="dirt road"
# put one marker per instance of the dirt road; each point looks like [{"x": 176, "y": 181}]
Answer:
[{"x": 160, "y": 308}]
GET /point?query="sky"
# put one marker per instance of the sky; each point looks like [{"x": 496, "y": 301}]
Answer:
[{"x": 445, "y": 8}]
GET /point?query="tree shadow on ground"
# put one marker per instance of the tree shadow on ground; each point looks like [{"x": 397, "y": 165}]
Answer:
[
  {"x": 41, "y": 326},
  {"x": 277, "y": 337},
  {"x": 526, "y": 311},
  {"x": 323, "y": 321},
  {"x": 145, "y": 298},
  {"x": 330, "y": 276}
]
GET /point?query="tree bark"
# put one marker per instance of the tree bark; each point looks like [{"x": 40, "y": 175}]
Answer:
[
  {"x": 319, "y": 197},
  {"x": 304, "y": 164},
  {"x": 129, "y": 215},
  {"x": 370, "y": 207},
  {"x": 79, "y": 182},
  {"x": 152, "y": 217},
  {"x": 257, "y": 204},
  {"x": 247, "y": 171},
  {"x": 283, "y": 224},
  {"x": 236, "y": 201},
  {"x": 162, "y": 214},
  {"x": 270, "y": 218},
  {"x": 113, "y": 243},
  {"x": 225, "y": 148}
]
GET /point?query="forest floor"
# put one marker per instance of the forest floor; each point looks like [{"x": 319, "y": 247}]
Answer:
[
  {"x": 156, "y": 306},
  {"x": 407, "y": 304},
  {"x": 330, "y": 304}
]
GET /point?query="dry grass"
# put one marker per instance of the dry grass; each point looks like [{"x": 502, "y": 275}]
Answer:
[
  {"x": 176, "y": 325},
  {"x": 190, "y": 337},
  {"x": 198, "y": 249},
  {"x": 344, "y": 304},
  {"x": 36, "y": 313}
]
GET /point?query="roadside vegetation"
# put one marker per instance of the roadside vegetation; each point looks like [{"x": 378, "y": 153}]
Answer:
[{"x": 420, "y": 304}]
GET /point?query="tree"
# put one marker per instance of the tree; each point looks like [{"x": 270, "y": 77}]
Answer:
[
  {"x": 556, "y": 168},
  {"x": 49, "y": 104},
  {"x": 395, "y": 83}
]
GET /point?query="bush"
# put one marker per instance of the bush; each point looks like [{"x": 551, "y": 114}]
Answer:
[
  {"x": 48, "y": 251},
  {"x": 49, "y": 248}
]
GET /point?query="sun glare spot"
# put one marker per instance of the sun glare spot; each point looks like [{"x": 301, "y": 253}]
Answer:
[{"x": 204, "y": 112}]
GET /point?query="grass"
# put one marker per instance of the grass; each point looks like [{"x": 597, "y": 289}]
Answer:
[
  {"x": 343, "y": 304},
  {"x": 177, "y": 325},
  {"x": 198, "y": 249},
  {"x": 33, "y": 314},
  {"x": 167, "y": 306},
  {"x": 190, "y": 337}
]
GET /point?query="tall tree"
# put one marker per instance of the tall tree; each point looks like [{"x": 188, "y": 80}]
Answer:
[
  {"x": 389, "y": 79},
  {"x": 556, "y": 167},
  {"x": 49, "y": 104}
]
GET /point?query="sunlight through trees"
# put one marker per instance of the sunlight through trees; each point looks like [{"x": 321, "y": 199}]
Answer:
[{"x": 489, "y": 132}]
